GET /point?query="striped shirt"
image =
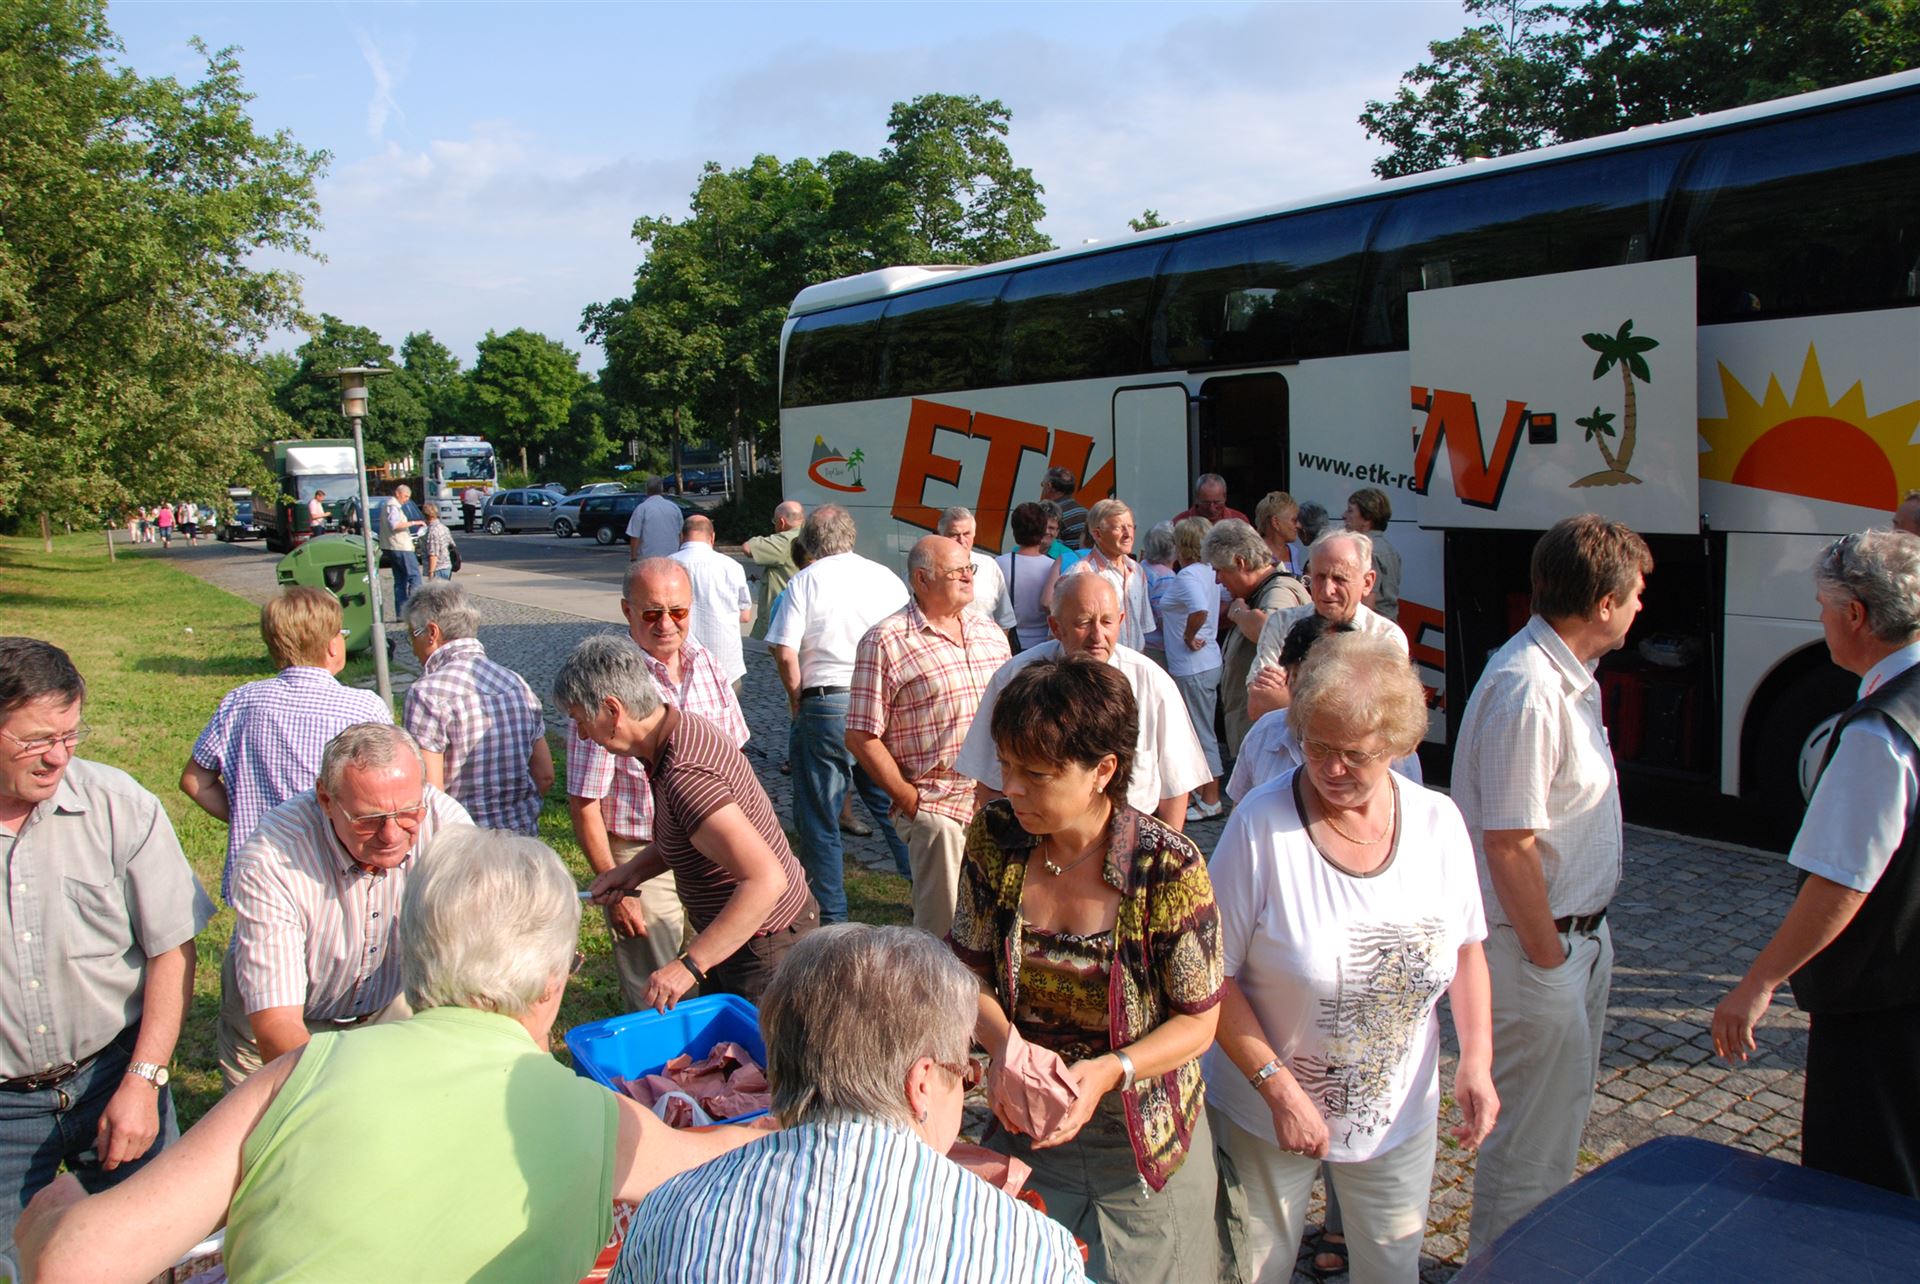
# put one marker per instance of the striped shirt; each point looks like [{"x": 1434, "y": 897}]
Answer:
[
  {"x": 265, "y": 740},
  {"x": 619, "y": 785},
  {"x": 840, "y": 1201},
  {"x": 312, "y": 929},
  {"x": 700, "y": 771},
  {"x": 438, "y": 543},
  {"x": 485, "y": 719},
  {"x": 918, "y": 690}
]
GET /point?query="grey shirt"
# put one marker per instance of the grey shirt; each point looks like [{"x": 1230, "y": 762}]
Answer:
[{"x": 96, "y": 885}]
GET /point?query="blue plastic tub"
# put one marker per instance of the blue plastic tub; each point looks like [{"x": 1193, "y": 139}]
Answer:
[{"x": 643, "y": 1042}]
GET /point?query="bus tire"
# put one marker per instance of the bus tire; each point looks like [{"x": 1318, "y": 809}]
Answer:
[{"x": 1792, "y": 742}]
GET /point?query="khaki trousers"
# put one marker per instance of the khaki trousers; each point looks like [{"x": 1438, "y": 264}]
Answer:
[
  {"x": 1547, "y": 1032},
  {"x": 240, "y": 1054},
  {"x": 934, "y": 847},
  {"x": 637, "y": 958}
]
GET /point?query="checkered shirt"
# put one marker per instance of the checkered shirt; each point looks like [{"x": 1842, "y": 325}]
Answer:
[
  {"x": 438, "y": 542},
  {"x": 918, "y": 690},
  {"x": 484, "y": 718},
  {"x": 619, "y": 784},
  {"x": 265, "y": 741}
]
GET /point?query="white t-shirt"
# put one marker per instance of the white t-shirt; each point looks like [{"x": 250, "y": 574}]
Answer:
[
  {"x": 990, "y": 596},
  {"x": 1269, "y": 750},
  {"x": 827, "y": 608},
  {"x": 1028, "y": 575},
  {"x": 720, "y": 593},
  {"x": 1194, "y": 588},
  {"x": 655, "y": 525},
  {"x": 1344, "y": 972},
  {"x": 1167, "y": 758}
]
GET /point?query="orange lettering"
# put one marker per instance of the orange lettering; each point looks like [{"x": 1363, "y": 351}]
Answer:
[
  {"x": 1009, "y": 439},
  {"x": 1425, "y": 628},
  {"x": 1072, "y": 450},
  {"x": 919, "y": 465},
  {"x": 1452, "y": 416}
]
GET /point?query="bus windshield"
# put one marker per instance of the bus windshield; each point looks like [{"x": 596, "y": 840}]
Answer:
[{"x": 470, "y": 463}]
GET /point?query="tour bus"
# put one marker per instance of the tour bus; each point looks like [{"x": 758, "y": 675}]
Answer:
[
  {"x": 450, "y": 465},
  {"x": 1705, "y": 329}
]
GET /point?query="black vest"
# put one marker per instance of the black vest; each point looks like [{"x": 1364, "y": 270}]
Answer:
[{"x": 1874, "y": 963}]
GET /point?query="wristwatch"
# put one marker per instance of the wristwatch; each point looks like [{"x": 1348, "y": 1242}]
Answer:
[
  {"x": 1264, "y": 1073},
  {"x": 153, "y": 1073}
]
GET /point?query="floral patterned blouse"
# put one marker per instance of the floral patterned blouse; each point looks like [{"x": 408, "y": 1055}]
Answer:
[{"x": 1167, "y": 958}]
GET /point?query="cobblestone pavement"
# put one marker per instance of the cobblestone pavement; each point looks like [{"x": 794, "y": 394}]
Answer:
[{"x": 1689, "y": 917}]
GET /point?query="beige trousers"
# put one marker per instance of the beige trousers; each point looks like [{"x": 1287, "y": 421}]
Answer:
[
  {"x": 935, "y": 844},
  {"x": 637, "y": 958},
  {"x": 238, "y": 1052}
]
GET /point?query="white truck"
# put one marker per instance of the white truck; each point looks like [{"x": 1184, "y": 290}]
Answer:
[{"x": 449, "y": 465}]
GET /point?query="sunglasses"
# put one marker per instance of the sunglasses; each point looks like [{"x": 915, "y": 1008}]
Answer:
[{"x": 652, "y": 614}]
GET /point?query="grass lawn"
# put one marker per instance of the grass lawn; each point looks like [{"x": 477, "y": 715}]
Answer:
[{"x": 158, "y": 649}]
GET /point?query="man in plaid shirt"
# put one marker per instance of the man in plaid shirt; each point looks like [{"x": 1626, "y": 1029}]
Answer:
[
  {"x": 610, "y": 797},
  {"x": 480, "y": 727},
  {"x": 918, "y": 676}
]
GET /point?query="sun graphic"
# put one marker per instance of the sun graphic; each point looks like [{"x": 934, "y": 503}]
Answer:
[{"x": 1812, "y": 446}]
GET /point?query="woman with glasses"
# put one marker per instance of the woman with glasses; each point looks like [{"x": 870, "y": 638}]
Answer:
[
  {"x": 1349, "y": 904},
  {"x": 867, "y": 1031},
  {"x": 450, "y": 1146}
]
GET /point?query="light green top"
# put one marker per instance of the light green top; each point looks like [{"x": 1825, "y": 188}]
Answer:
[
  {"x": 444, "y": 1147},
  {"x": 775, "y": 553}
]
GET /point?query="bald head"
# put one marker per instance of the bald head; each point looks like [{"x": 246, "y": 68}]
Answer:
[
  {"x": 655, "y": 573},
  {"x": 1086, "y": 616},
  {"x": 942, "y": 575},
  {"x": 697, "y": 527},
  {"x": 788, "y": 515},
  {"x": 657, "y": 587}
]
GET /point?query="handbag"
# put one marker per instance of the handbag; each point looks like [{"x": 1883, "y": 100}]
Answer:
[{"x": 453, "y": 554}]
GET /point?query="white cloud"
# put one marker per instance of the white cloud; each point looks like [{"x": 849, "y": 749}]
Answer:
[{"x": 383, "y": 103}]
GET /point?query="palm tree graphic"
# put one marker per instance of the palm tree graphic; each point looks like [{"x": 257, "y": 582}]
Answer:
[
  {"x": 854, "y": 461},
  {"x": 1622, "y": 348}
]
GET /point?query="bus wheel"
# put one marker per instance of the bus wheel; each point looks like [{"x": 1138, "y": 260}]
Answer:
[{"x": 1792, "y": 743}]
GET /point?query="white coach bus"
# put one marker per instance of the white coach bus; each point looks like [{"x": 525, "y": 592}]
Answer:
[{"x": 1706, "y": 329}]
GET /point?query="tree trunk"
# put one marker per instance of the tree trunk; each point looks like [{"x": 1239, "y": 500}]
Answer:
[
  {"x": 46, "y": 532},
  {"x": 1629, "y": 421},
  {"x": 111, "y": 557},
  {"x": 679, "y": 483}
]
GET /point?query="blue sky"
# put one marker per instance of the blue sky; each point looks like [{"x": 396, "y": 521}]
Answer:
[{"x": 489, "y": 159}]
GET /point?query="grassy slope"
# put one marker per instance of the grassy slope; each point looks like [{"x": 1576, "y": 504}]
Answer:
[{"x": 152, "y": 685}]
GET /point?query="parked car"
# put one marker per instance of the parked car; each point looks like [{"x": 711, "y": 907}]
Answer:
[
  {"x": 519, "y": 510},
  {"x": 605, "y": 517},
  {"x": 701, "y": 481},
  {"x": 241, "y": 525},
  {"x": 566, "y": 518}
]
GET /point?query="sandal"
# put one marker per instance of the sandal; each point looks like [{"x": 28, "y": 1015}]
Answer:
[{"x": 1319, "y": 1246}]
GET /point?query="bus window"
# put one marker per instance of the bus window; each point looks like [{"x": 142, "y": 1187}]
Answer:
[
  {"x": 1820, "y": 214},
  {"x": 1590, "y": 212},
  {"x": 1078, "y": 318},
  {"x": 1279, "y": 290},
  {"x": 942, "y": 340},
  {"x": 831, "y": 356},
  {"x": 1242, "y": 436}
]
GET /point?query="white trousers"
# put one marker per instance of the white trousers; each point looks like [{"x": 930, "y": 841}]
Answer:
[
  {"x": 637, "y": 958},
  {"x": 935, "y": 844},
  {"x": 1383, "y": 1199}
]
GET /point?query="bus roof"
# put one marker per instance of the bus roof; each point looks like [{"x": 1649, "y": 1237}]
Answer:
[{"x": 886, "y": 282}]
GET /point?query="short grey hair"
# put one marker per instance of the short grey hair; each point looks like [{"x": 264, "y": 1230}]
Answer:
[
  {"x": 1060, "y": 481},
  {"x": 446, "y": 605},
  {"x": 656, "y": 486},
  {"x": 1313, "y": 519},
  {"x": 652, "y": 566},
  {"x": 1208, "y": 479},
  {"x": 829, "y": 531},
  {"x": 364, "y": 746},
  {"x": 958, "y": 513},
  {"x": 489, "y": 920},
  {"x": 607, "y": 666},
  {"x": 1104, "y": 511},
  {"x": 1361, "y": 541},
  {"x": 1355, "y": 684},
  {"x": 1157, "y": 547},
  {"x": 848, "y": 1012},
  {"x": 1069, "y": 582},
  {"x": 1233, "y": 541},
  {"x": 1881, "y": 571}
]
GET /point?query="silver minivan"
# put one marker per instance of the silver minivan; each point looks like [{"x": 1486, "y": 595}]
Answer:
[{"x": 519, "y": 510}]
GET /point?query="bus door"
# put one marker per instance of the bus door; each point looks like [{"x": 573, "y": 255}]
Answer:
[
  {"x": 1150, "y": 451},
  {"x": 1241, "y": 432}
]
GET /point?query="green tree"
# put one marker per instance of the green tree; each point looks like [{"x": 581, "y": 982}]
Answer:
[
  {"x": 1148, "y": 220},
  {"x": 396, "y": 415},
  {"x": 521, "y": 390},
  {"x": 969, "y": 202},
  {"x": 432, "y": 372},
  {"x": 131, "y": 212}
]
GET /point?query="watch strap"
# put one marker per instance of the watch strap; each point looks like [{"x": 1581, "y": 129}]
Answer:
[
  {"x": 153, "y": 1072},
  {"x": 1264, "y": 1073}
]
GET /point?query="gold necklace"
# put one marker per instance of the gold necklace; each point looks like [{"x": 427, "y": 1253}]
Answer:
[
  {"x": 1047, "y": 862},
  {"x": 1393, "y": 808}
]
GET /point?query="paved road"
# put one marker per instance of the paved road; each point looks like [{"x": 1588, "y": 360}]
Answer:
[{"x": 1690, "y": 915}]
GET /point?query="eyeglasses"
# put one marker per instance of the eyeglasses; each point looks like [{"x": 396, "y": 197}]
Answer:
[
  {"x": 1351, "y": 759},
  {"x": 44, "y": 744},
  {"x": 407, "y": 818},
  {"x": 954, "y": 573},
  {"x": 653, "y": 613}
]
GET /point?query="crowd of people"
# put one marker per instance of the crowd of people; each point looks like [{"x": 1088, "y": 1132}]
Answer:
[
  {"x": 157, "y": 523},
  {"x": 1174, "y": 1043}
]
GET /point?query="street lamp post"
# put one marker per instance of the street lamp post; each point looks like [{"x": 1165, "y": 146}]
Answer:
[{"x": 353, "y": 404}]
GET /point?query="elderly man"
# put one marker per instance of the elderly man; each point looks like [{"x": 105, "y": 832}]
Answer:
[
  {"x": 1210, "y": 501},
  {"x": 100, "y": 924},
  {"x": 609, "y": 796},
  {"x": 1057, "y": 488},
  {"x": 828, "y": 608},
  {"x": 1277, "y": 518},
  {"x": 1339, "y": 577},
  {"x": 1110, "y": 529},
  {"x": 478, "y": 724},
  {"x": 316, "y": 900},
  {"x": 774, "y": 555},
  {"x": 654, "y": 528},
  {"x": 917, "y": 683},
  {"x": 396, "y": 538},
  {"x": 990, "y": 595},
  {"x": 715, "y": 829},
  {"x": 262, "y": 745},
  {"x": 721, "y": 600},
  {"x": 1244, "y": 564},
  {"x": 1907, "y": 516},
  {"x": 1847, "y": 944},
  {"x": 1533, "y": 776},
  {"x": 1168, "y": 762}
]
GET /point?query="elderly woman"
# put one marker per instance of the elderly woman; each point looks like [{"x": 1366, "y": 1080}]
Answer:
[
  {"x": 867, "y": 1031},
  {"x": 714, "y": 828},
  {"x": 1192, "y": 613},
  {"x": 1157, "y": 559},
  {"x": 448, "y": 1146},
  {"x": 436, "y": 545},
  {"x": 1244, "y": 564},
  {"x": 1094, "y": 933},
  {"x": 1368, "y": 512},
  {"x": 1349, "y": 904},
  {"x": 1110, "y": 526}
]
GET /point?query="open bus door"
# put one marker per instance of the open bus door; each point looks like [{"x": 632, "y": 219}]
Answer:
[
  {"x": 1241, "y": 433},
  {"x": 1544, "y": 397}
]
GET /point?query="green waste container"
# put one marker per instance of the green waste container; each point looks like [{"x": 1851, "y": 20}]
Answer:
[{"x": 338, "y": 564}]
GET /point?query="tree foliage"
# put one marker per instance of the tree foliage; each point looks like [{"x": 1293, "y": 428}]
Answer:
[
  {"x": 130, "y": 210},
  {"x": 396, "y": 412},
  {"x": 432, "y": 372},
  {"x": 1527, "y": 74},
  {"x": 967, "y": 201},
  {"x": 521, "y": 390}
]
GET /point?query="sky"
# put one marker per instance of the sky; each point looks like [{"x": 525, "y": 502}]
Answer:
[{"x": 488, "y": 160}]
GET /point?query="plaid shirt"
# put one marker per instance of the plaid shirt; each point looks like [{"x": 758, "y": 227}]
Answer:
[
  {"x": 485, "y": 719},
  {"x": 265, "y": 741},
  {"x": 438, "y": 542},
  {"x": 619, "y": 784},
  {"x": 918, "y": 690}
]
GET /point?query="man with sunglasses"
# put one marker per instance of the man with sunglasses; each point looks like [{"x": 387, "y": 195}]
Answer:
[
  {"x": 316, "y": 900},
  {"x": 100, "y": 913}
]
